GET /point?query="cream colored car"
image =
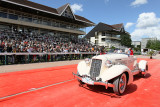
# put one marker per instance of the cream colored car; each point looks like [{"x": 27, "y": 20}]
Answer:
[{"x": 110, "y": 70}]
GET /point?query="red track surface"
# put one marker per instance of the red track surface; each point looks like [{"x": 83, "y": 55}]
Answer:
[{"x": 142, "y": 92}]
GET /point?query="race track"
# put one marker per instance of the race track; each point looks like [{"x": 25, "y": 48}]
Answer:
[{"x": 56, "y": 87}]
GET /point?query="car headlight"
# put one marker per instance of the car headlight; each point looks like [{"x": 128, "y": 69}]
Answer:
[
  {"x": 87, "y": 60},
  {"x": 108, "y": 63}
]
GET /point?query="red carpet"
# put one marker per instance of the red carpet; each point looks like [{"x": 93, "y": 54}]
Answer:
[
  {"x": 15, "y": 82},
  {"x": 143, "y": 92}
]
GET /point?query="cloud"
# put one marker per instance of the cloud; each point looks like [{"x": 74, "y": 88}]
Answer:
[
  {"x": 77, "y": 7},
  {"x": 139, "y": 2},
  {"x": 106, "y": 1},
  {"x": 151, "y": 32},
  {"x": 129, "y": 24},
  {"x": 147, "y": 20},
  {"x": 148, "y": 25}
]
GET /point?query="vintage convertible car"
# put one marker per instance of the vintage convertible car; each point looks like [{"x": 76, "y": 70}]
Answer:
[{"x": 110, "y": 70}]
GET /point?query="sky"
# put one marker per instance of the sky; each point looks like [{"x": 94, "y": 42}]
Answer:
[{"x": 141, "y": 18}]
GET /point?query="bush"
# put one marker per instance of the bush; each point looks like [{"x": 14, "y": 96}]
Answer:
[{"x": 151, "y": 53}]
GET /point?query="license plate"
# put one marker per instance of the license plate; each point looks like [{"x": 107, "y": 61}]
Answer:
[{"x": 88, "y": 81}]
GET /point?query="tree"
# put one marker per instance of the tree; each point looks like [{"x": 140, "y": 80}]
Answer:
[
  {"x": 126, "y": 40},
  {"x": 138, "y": 48},
  {"x": 149, "y": 42},
  {"x": 153, "y": 44}
]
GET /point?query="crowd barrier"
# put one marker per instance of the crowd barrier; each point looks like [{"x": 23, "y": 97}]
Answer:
[{"x": 24, "y": 58}]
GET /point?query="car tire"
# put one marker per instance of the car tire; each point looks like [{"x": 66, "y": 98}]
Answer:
[{"x": 120, "y": 84}]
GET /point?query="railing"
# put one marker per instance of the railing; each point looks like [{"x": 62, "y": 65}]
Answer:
[
  {"x": 114, "y": 38},
  {"x": 24, "y": 58}
]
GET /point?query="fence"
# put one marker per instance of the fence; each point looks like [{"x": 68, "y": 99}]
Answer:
[{"x": 24, "y": 58}]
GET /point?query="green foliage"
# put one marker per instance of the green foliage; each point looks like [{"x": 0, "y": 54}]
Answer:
[
  {"x": 138, "y": 48},
  {"x": 113, "y": 47},
  {"x": 126, "y": 40},
  {"x": 151, "y": 53},
  {"x": 148, "y": 44},
  {"x": 153, "y": 44}
]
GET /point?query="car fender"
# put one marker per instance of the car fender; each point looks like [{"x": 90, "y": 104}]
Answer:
[
  {"x": 115, "y": 71},
  {"x": 83, "y": 68},
  {"x": 142, "y": 64}
]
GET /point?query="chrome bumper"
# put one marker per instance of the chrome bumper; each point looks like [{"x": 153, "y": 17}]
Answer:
[{"x": 106, "y": 84}]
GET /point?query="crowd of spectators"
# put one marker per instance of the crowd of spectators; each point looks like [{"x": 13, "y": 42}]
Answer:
[{"x": 14, "y": 42}]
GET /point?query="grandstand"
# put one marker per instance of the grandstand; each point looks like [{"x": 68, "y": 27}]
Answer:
[
  {"x": 32, "y": 32},
  {"x": 26, "y": 26}
]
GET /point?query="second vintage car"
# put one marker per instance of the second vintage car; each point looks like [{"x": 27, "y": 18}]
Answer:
[{"x": 110, "y": 70}]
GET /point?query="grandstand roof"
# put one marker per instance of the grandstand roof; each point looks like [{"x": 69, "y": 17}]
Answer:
[
  {"x": 111, "y": 29},
  {"x": 46, "y": 9}
]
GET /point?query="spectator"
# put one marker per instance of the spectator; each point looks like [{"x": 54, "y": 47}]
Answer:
[
  {"x": 128, "y": 52},
  {"x": 131, "y": 51},
  {"x": 35, "y": 42}
]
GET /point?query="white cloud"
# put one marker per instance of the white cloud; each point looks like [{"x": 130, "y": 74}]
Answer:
[
  {"x": 148, "y": 25},
  {"x": 129, "y": 24},
  {"x": 106, "y": 1},
  {"x": 77, "y": 7},
  {"x": 151, "y": 32},
  {"x": 147, "y": 20},
  {"x": 139, "y": 2}
]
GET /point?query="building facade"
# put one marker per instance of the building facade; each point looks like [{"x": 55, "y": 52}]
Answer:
[
  {"x": 136, "y": 43},
  {"x": 144, "y": 43},
  {"x": 27, "y": 16},
  {"x": 105, "y": 39},
  {"x": 106, "y": 35}
]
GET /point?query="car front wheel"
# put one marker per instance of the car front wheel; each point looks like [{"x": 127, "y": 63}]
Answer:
[{"x": 120, "y": 84}]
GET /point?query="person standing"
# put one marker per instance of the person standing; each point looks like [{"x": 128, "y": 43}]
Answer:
[
  {"x": 131, "y": 51},
  {"x": 128, "y": 52}
]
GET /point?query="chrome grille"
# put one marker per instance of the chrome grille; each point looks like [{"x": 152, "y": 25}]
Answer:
[{"x": 95, "y": 68}]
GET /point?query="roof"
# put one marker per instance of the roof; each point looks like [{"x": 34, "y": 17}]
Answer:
[
  {"x": 104, "y": 27},
  {"x": 61, "y": 9},
  {"x": 50, "y": 10},
  {"x": 118, "y": 26}
]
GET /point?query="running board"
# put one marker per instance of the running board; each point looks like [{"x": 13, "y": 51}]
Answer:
[{"x": 135, "y": 72}]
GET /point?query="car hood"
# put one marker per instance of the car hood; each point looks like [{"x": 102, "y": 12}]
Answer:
[{"x": 110, "y": 56}]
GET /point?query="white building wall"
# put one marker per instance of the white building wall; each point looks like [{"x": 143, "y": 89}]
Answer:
[
  {"x": 144, "y": 42},
  {"x": 103, "y": 43},
  {"x": 135, "y": 43},
  {"x": 92, "y": 39}
]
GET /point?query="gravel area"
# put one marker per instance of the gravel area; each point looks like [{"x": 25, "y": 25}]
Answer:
[
  {"x": 146, "y": 56},
  {"x": 21, "y": 67}
]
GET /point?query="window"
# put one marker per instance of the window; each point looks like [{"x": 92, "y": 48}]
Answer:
[
  {"x": 35, "y": 21},
  {"x": 96, "y": 37},
  {"x": 12, "y": 16},
  {"x": 56, "y": 24},
  {"x": 2, "y": 14},
  {"x": 27, "y": 19},
  {"x": 103, "y": 39},
  {"x": 63, "y": 25},
  {"x": 96, "y": 41},
  {"x": 118, "y": 36},
  {"x": 103, "y": 33},
  {"x": 46, "y": 22}
]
